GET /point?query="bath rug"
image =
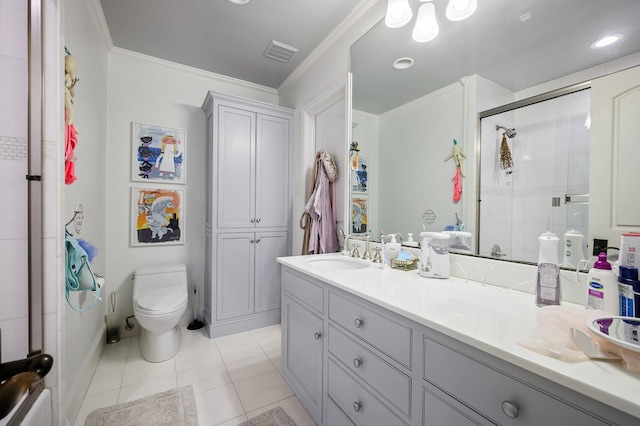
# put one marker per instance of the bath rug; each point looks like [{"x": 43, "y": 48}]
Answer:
[
  {"x": 176, "y": 407},
  {"x": 274, "y": 417}
]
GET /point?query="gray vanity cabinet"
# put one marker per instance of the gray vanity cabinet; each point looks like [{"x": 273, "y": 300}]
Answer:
[
  {"x": 303, "y": 341},
  {"x": 247, "y": 221},
  {"x": 382, "y": 369}
]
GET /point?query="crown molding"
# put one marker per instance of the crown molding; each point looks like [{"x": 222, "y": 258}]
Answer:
[
  {"x": 98, "y": 15},
  {"x": 358, "y": 12},
  {"x": 195, "y": 71}
]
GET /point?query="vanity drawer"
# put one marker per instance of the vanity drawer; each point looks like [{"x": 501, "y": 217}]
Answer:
[
  {"x": 357, "y": 403},
  {"x": 303, "y": 290},
  {"x": 494, "y": 393},
  {"x": 388, "y": 381},
  {"x": 390, "y": 337}
]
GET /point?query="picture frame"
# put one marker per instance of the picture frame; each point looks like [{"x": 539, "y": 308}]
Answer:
[
  {"x": 359, "y": 214},
  {"x": 359, "y": 177},
  {"x": 157, "y": 216},
  {"x": 158, "y": 153}
]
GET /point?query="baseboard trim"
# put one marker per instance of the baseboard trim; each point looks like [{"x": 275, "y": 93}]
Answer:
[
  {"x": 224, "y": 328},
  {"x": 78, "y": 389}
]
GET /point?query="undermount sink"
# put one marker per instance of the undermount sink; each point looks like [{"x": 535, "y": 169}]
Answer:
[{"x": 339, "y": 263}]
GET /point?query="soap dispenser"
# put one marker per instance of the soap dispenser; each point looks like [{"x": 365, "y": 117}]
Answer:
[
  {"x": 548, "y": 276},
  {"x": 393, "y": 247}
]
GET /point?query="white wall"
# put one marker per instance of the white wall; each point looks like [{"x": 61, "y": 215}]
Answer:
[
  {"x": 82, "y": 333},
  {"x": 153, "y": 91}
]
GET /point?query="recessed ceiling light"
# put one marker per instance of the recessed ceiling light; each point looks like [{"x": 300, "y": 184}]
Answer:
[
  {"x": 403, "y": 63},
  {"x": 238, "y": 1},
  {"x": 606, "y": 40}
]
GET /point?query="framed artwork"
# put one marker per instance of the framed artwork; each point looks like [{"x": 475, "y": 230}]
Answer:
[
  {"x": 359, "y": 211},
  {"x": 157, "y": 216},
  {"x": 158, "y": 153},
  {"x": 359, "y": 177}
]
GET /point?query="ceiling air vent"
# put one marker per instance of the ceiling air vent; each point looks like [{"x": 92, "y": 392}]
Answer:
[{"x": 280, "y": 51}]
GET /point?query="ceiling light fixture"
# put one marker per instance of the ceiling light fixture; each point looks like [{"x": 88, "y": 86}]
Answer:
[
  {"x": 459, "y": 10},
  {"x": 607, "y": 40},
  {"x": 399, "y": 13},
  {"x": 403, "y": 63},
  {"x": 426, "y": 28}
]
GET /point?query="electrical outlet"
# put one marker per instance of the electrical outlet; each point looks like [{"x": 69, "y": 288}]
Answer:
[{"x": 599, "y": 246}]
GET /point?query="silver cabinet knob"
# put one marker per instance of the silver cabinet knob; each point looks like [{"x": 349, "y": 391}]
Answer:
[
  {"x": 252, "y": 220},
  {"x": 357, "y": 362},
  {"x": 317, "y": 335},
  {"x": 358, "y": 322},
  {"x": 357, "y": 406},
  {"x": 258, "y": 220},
  {"x": 251, "y": 241},
  {"x": 510, "y": 409},
  {"x": 258, "y": 240}
]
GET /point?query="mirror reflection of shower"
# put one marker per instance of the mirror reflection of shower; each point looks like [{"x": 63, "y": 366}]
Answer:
[
  {"x": 546, "y": 167},
  {"x": 511, "y": 133}
]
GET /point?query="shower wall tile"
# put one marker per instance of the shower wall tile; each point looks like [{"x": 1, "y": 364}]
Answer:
[
  {"x": 13, "y": 278},
  {"x": 13, "y": 191},
  {"x": 13, "y": 86},
  {"x": 13, "y": 29},
  {"x": 15, "y": 338}
]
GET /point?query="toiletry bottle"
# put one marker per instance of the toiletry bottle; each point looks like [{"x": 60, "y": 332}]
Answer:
[
  {"x": 393, "y": 248},
  {"x": 602, "y": 287},
  {"x": 629, "y": 288},
  {"x": 548, "y": 278}
]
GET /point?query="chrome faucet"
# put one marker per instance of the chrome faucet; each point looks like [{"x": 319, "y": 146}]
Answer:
[{"x": 354, "y": 252}]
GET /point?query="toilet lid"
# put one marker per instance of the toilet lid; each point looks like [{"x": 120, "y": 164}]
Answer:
[{"x": 162, "y": 300}]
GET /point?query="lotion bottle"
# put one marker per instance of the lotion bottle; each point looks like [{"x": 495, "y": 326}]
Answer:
[
  {"x": 548, "y": 277},
  {"x": 602, "y": 287},
  {"x": 393, "y": 248}
]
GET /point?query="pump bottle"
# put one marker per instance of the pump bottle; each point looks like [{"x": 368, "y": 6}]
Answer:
[
  {"x": 393, "y": 247},
  {"x": 548, "y": 278},
  {"x": 602, "y": 287}
]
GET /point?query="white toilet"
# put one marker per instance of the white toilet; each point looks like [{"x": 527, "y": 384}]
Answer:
[{"x": 159, "y": 301}]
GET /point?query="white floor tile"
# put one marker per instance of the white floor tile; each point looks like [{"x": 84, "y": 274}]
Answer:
[
  {"x": 204, "y": 377},
  {"x": 264, "y": 389},
  {"x": 233, "y": 377},
  {"x": 243, "y": 367},
  {"x": 218, "y": 405},
  {"x": 148, "y": 387},
  {"x": 139, "y": 370},
  {"x": 92, "y": 402}
]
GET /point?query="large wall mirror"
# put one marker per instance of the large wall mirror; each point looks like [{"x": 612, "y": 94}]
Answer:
[{"x": 506, "y": 67}]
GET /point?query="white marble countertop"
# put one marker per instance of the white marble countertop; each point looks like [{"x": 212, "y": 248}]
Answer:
[{"x": 486, "y": 317}]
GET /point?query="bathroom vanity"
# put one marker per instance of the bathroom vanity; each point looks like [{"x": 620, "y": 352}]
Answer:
[{"x": 368, "y": 346}]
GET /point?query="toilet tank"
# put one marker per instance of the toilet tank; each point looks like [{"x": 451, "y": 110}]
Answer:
[{"x": 160, "y": 276}]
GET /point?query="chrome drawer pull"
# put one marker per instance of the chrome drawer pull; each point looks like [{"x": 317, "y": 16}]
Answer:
[
  {"x": 252, "y": 220},
  {"x": 258, "y": 240},
  {"x": 357, "y": 362},
  {"x": 258, "y": 220},
  {"x": 358, "y": 322},
  {"x": 357, "y": 406},
  {"x": 317, "y": 335},
  {"x": 510, "y": 409}
]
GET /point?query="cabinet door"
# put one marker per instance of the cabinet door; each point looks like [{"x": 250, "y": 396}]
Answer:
[
  {"x": 272, "y": 171},
  {"x": 236, "y": 172},
  {"x": 234, "y": 275},
  {"x": 268, "y": 273},
  {"x": 302, "y": 349}
]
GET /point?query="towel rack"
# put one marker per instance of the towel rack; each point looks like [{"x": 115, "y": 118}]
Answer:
[{"x": 77, "y": 219}]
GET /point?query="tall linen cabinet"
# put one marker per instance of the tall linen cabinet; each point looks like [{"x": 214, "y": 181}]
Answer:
[{"x": 247, "y": 219}]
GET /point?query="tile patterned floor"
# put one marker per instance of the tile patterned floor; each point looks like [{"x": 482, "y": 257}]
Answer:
[{"x": 234, "y": 377}]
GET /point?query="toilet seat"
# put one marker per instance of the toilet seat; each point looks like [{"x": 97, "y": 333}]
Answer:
[{"x": 161, "y": 301}]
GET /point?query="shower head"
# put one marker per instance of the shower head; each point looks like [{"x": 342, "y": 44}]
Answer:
[{"x": 511, "y": 133}]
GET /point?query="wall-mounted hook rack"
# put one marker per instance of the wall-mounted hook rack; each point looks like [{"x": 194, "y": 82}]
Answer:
[{"x": 77, "y": 219}]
